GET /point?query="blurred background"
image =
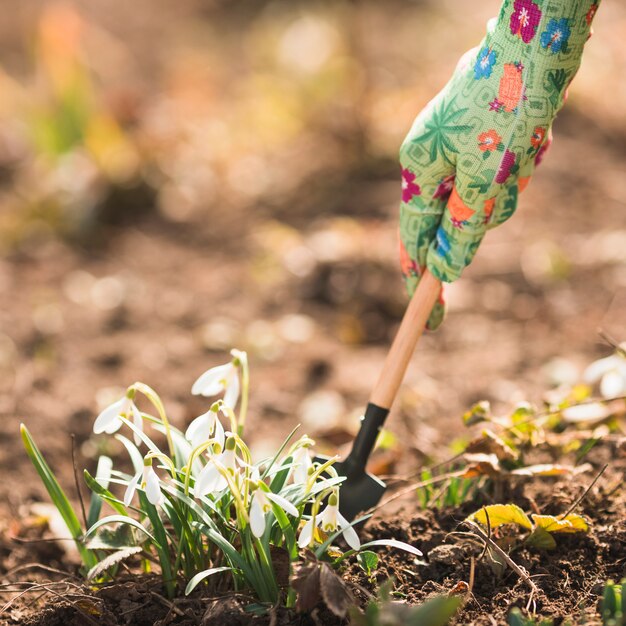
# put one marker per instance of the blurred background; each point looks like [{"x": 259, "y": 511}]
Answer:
[{"x": 177, "y": 179}]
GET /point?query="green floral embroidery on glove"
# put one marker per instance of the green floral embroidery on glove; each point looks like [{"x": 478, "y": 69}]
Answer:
[{"x": 475, "y": 146}]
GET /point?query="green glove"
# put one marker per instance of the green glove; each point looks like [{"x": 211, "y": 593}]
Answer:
[{"x": 475, "y": 146}]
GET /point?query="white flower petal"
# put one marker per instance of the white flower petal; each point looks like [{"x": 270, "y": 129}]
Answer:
[
  {"x": 199, "y": 430},
  {"x": 257, "y": 517},
  {"x": 137, "y": 421},
  {"x": 210, "y": 383},
  {"x": 598, "y": 368},
  {"x": 283, "y": 503},
  {"x": 232, "y": 391},
  {"x": 349, "y": 534},
  {"x": 302, "y": 462},
  {"x": 612, "y": 384},
  {"x": 153, "y": 487},
  {"x": 209, "y": 481},
  {"x": 219, "y": 432},
  {"x": 228, "y": 459},
  {"x": 108, "y": 420},
  {"x": 132, "y": 487},
  {"x": 306, "y": 534},
  {"x": 328, "y": 518}
]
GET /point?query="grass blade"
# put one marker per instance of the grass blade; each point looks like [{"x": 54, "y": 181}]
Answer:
[
  {"x": 58, "y": 497},
  {"x": 198, "y": 578},
  {"x": 103, "y": 474}
]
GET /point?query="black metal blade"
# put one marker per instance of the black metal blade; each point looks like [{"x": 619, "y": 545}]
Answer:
[{"x": 359, "y": 492}]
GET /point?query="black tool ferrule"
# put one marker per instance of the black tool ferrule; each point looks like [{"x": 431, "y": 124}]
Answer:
[{"x": 371, "y": 423}]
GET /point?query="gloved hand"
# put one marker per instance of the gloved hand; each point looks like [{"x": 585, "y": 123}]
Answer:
[{"x": 475, "y": 145}]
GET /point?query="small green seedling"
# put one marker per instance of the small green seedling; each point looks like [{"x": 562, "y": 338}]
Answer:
[
  {"x": 455, "y": 491},
  {"x": 516, "y": 618},
  {"x": 368, "y": 562},
  {"x": 613, "y": 604}
]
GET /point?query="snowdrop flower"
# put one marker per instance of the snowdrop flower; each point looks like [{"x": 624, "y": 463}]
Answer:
[
  {"x": 109, "y": 419},
  {"x": 301, "y": 464},
  {"x": 611, "y": 372},
  {"x": 210, "y": 479},
  {"x": 150, "y": 483},
  {"x": 329, "y": 520},
  {"x": 129, "y": 494},
  {"x": 204, "y": 426},
  {"x": 217, "y": 379},
  {"x": 262, "y": 504}
]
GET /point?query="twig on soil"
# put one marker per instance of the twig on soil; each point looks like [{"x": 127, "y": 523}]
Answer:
[
  {"x": 65, "y": 597},
  {"x": 170, "y": 605},
  {"x": 584, "y": 494},
  {"x": 76, "y": 483},
  {"x": 507, "y": 559},
  {"x": 43, "y": 567},
  {"x": 47, "y": 587},
  {"x": 482, "y": 554},
  {"x": 472, "y": 574},
  {"x": 273, "y": 615},
  {"x": 403, "y": 478}
]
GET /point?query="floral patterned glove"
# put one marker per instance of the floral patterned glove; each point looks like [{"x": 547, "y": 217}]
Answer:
[{"x": 475, "y": 146}]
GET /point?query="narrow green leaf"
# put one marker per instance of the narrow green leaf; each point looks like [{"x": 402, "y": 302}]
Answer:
[
  {"x": 97, "y": 488},
  {"x": 103, "y": 474},
  {"x": 393, "y": 543},
  {"x": 57, "y": 495},
  {"x": 287, "y": 529},
  {"x": 135, "y": 456},
  {"x": 280, "y": 451},
  {"x": 120, "y": 519},
  {"x": 160, "y": 543},
  {"x": 149, "y": 443},
  {"x": 198, "y": 578}
]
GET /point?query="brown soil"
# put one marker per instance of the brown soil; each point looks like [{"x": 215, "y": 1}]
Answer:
[
  {"x": 160, "y": 300},
  {"x": 569, "y": 579}
]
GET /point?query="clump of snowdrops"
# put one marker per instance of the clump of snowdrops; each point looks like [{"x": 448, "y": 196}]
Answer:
[{"x": 199, "y": 505}]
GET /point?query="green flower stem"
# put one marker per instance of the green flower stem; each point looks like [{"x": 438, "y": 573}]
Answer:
[
  {"x": 156, "y": 401},
  {"x": 312, "y": 479},
  {"x": 245, "y": 391},
  {"x": 195, "y": 453}
]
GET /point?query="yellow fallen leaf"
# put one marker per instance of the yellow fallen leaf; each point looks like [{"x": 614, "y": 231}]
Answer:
[
  {"x": 578, "y": 523},
  {"x": 558, "y": 524},
  {"x": 552, "y": 524},
  {"x": 500, "y": 514}
]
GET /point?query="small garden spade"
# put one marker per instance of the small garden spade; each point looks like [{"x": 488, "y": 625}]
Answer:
[{"x": 361, "y": 491}]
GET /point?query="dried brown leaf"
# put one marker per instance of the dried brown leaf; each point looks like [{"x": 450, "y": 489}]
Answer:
[
  {"x": 334, "y": 591},
  {"x": 306, "y": 582},
  {"x": 490, "y": 443},
  {"x": 482, "y": 465}
]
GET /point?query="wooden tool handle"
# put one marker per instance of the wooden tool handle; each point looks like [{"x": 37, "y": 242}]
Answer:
[{"x": 403, "y": 346}]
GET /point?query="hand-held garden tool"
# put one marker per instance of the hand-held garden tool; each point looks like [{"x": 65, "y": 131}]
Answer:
[{"x": 360, "y": 491}]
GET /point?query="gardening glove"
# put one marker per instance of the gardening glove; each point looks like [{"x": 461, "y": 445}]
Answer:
[{"x": 474, "y": 147}]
